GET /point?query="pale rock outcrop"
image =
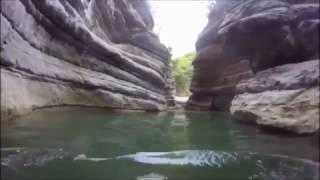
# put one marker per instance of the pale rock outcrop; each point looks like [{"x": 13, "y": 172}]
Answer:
[
  {"x": 285, "y": 97},
  {"x": 81, "y": 52}
]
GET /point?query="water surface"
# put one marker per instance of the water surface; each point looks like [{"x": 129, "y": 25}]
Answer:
[{"x": 85, "y": 143}]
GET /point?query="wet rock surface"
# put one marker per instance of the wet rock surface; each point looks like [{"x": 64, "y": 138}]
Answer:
[{"x": 89, "y": 53}]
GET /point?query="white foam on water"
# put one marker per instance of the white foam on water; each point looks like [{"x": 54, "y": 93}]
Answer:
[
  {"x": 185, "y": 157},
  {"x": 83, "y": 157}
]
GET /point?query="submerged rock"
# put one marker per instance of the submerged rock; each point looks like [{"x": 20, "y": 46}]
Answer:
[
  {"x": 89, "y": 52},
  {"x": 248, "y": 36},
  {"x": 285, "y": 96}
]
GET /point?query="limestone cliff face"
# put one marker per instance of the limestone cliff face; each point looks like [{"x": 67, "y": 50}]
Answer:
[
  {"x": 81, "y": 52},
  {"x": 244, "y": 37}
]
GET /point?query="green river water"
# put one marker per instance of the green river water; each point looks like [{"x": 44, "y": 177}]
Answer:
[{"x": 87, "y": 143}]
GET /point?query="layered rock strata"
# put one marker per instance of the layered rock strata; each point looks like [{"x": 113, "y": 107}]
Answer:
[
  {"x": 218, "y": 88},
  {"x": 284, "y": 97},
  {"x": 88, "y": 53},
  {"x": 243, "y": 37}
]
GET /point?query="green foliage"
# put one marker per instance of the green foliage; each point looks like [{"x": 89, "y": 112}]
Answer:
[{"x": 182, "y": 72}]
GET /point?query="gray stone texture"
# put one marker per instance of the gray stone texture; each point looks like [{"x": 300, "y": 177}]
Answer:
[{"x": 81, "y": 52}]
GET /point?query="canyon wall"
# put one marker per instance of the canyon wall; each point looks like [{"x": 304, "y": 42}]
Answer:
[
  {"x": 243, "y": 37},
  {"x": 260, "y": 60},
  {"x": 81, "y": 52}
]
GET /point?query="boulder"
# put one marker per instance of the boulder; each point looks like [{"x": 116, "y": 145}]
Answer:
[
  {"x": 86, "y": 53},
  {"x": 285, "y": 97}
]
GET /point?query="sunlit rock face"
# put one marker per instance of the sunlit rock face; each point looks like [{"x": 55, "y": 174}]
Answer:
[
  {"x": 81, "y": 52},
  {"x": 243, "y": 37}
]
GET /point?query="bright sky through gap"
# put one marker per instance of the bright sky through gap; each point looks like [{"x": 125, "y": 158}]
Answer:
[{"x": 179, "y": 22}]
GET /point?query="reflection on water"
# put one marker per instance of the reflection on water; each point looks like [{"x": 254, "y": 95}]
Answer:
[{"x": 90, "y": 143}]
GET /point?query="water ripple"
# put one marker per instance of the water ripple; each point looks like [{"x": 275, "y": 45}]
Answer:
[{"x": 270, "y": 166}]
